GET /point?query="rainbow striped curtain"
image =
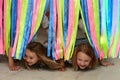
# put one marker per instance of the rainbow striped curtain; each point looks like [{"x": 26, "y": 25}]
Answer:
[
  {"x": 20, "y": 20},
  {"x": 101, "y": 20}
]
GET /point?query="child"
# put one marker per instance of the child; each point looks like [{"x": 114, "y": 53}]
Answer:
[
  {"x": 84, "y": 58},
  {"x": 36, "y": 57}
]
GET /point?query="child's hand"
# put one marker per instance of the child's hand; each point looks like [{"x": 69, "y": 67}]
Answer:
[
  {"x": 63, "y": 65},
  {"x": 104, "y": 63},
  {"x": 62, "y": 69},
  {"x": 11, "y": 64},
  {"x": 14, "y": 68}
]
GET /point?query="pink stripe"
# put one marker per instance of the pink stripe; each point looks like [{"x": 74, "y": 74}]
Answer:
[
  {"x": 4, "y": 25},
  {"x": 92, "y": 26},
  {"x": 1, "y": 30},
  {"x": 57, "y": 45},
  {"x": 55, "y": 13},
  {"x": 17, "y": 26},
  {"x": 111, "y": 45},
  {"x": 70, "y": 25},
  {"x": 118, "y": 47},
  {"x": 35, "y": 14}
]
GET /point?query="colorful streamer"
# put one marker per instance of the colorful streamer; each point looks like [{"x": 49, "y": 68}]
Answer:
[
  {"x": 22, "y": 26},
  {"x": 35, "y": 13},
  {"x": 50, "y": 33},
  {"x": 74, "y": 8},
  {"x": 70, "y": 27},
  {"x": 116, "y": 26},
  {"x": 7, "y": 24},
  {"x": 13, "y": 21},
  {"x": 4, "y": 25},
  {"x": 59, "y": 34},
  {"x": 1, "y": 29},
  {"x": 84, "y": 14},
  {"x": 17, "y": 27},
  {"x": 27, "y": 28},
  {"x": 101, "y": 19},
  {"x": 38, "y": 14}
]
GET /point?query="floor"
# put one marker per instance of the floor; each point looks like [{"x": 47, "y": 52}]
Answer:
[{"x": 100, "y": 73}]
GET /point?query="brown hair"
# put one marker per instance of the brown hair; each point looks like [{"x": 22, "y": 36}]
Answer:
[
  {"x": 88, "y": 50},
  {"x": 41, "y": 53}
]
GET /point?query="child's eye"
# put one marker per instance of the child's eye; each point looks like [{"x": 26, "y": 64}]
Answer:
[
  {"x": 80, "y": 59},
  {"x": 25, "y": 55},
  {"x": 86, "y": 60}
]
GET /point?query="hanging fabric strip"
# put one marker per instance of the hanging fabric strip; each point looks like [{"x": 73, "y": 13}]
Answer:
[
  {"x": 35, "y": 14},
  {"x": 65, "y": 21},
  {"x": 84, "y": 14},
  {"x": 96, "y": 8},
  {"x": 103, "y": 40},
  {"x": 13, "y": 21},
  {"x": 40, "y": 15},
  {"x": 8, "y": 23},
  {"x": 59, "y": 39},
  {"x": 74, "y": 34},
  {"x": 19, "y": 8},
  {"x": 22, "y": 26},
  {"x": 4, "y": 24},
  {"x": 109, "y": 20},
  {"x": 46, "y": 6},
  {"x": 1, "y": 30},
  {"x": 119, "y": 55},
  {"x": 92, "y": 26},
  {"x": 118, "y": 46},
  {"x": 54, "y": 29},
  {"x": 114, "y": 27},
  {"x": 50, "y": 33},
  {"x": 70, "y": 28},
  {"x": 97, "y": 20},
  {"x": 38, "y": 19},
  {"x": 27, "y": 28}
]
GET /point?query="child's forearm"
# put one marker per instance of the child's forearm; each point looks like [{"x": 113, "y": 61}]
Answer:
[{"x": 11, "y": 61}]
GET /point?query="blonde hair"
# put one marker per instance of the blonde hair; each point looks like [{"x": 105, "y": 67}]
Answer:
[
  {"x": 88, "y": 50},
  {"x": 41, "y": 53}
]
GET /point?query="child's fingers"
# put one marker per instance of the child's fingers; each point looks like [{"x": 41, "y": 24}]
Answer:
[
  {"x": 107, "y": 64},
  {"x": 14, "y": 68}
]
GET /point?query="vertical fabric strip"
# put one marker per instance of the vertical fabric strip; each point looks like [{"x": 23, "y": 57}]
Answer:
[
  {"x": 22, "y": 26},
  {"x": 27, "y": 28},
  {"x": 8, "y": 23},
  {"x": 17, "y": 26},
  {"x": 1, "y": 30}
]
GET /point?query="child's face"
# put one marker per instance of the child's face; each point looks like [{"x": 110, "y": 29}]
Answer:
[
  {"x": 83, "y": 60},
  {"x": 30, "y": 57}
]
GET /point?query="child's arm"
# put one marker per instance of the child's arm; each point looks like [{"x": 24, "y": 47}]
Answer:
[
  {"x": 105, "y": 63},
  {"x": 11, "y": 61}
]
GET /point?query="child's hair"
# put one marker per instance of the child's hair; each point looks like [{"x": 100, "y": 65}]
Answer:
[
  {"x": 86, "y": 48},
  {"x": 41, "y": 53}
]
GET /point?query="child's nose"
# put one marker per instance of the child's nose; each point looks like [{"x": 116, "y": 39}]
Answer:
[
  {"x": 82, "y": 63},
  {"x": 27, "y": 60}
]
